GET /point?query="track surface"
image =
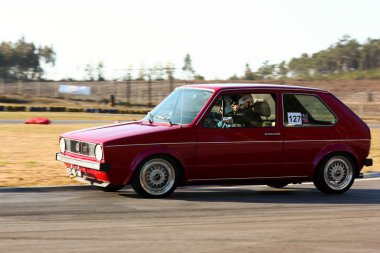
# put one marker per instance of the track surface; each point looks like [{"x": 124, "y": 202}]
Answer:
[{"x": 203, "y": 219}]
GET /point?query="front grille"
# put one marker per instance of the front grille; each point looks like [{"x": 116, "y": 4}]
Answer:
[{"x": 78, "y": 147}]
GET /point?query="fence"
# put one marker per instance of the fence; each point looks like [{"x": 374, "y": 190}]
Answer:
[
  {"x": 364, "y": 102},
  {"x": 136, "y": 92}
]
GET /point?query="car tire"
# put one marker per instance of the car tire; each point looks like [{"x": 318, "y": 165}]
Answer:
[
  {"x": 110, "y": 188},
  {"x": 156, "y": 177},
  {"x": 335, "y": 175},
  {"x": 278, "y": 185}
]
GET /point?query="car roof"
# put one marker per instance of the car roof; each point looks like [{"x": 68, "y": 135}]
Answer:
[{"x": 238, "y": 86}]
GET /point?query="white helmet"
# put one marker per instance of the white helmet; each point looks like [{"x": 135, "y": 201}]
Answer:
[{"x": 245, "y": 101}]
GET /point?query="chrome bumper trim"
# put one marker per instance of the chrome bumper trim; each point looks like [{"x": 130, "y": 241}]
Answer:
[{"x": 82, "y": 163}]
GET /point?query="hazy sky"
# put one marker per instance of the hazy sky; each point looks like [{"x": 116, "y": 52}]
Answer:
[{"x": 221, "y": 36}]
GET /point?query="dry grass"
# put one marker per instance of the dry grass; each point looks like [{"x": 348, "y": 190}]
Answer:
[
  {"x": 375, "y": 150},
  {"x": 28, "y": 154},
  {"x": 69, "y": 116},
  {"x": 28, "y": 100}
]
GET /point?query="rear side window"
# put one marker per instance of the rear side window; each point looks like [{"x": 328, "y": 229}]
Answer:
[{"x": 306, "y": 110}]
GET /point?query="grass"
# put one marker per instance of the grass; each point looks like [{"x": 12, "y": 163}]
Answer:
[
  {"x": 69, "y": 116},
  {"x": 375, "y": 150},
  {"x": 29, "y": 159}
]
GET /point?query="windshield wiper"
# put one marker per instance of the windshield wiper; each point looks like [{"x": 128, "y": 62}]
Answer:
[
  {"x": 167, "y": 119},
  {"x": 151, "y": 116}
]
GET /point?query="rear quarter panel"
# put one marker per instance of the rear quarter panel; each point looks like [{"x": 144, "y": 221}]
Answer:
[{"x": 306, "y": 147}]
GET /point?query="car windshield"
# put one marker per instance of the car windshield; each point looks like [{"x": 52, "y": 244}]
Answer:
[{"x": 180, "y": 107}]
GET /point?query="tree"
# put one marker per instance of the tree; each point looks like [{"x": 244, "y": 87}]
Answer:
[
  {"x": 95, "y": 73},
  {"x": 89, "y": 69},
  {"x": 199, "y": 77},
  {"x": 6, "y": 59},
  {"x": 266, "y": 70},
  {"x": 234, "y": 77},
  {"x": 22, "y": 60},
  {"x": 248, "y": 74},
  {"x": 282, "y": 69},
  {"x": 141, "y": 74},
  {"x": 100, "y": 71},
  {"x": 370, "y": 55},
  {"x": 170, "y": 68},
  {"x": 301, "y": 66},
  {"x": 188, "y": 68}
]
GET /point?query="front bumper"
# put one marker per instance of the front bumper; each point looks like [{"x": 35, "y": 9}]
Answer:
[{"x": 82, "y": 163}]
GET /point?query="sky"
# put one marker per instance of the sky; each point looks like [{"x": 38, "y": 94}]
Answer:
[{"x": 221, "y": 36}]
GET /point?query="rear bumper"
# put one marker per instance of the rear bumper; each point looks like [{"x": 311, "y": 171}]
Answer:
[
  {"x": 368, "y": 162},
  {"x": 82, "y": 163}
]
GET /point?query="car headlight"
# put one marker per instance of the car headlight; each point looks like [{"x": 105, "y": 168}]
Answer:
[
  {"x": 62, "y": 145},
  {"x": 99, "y": 152}
]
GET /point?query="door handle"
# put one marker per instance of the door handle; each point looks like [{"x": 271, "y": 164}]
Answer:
[{"x": 273, "y": 134}]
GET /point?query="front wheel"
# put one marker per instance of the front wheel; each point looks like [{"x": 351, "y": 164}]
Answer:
[
  {"x": 335, "y": 175},
  {"x": 156, "y": 178}
]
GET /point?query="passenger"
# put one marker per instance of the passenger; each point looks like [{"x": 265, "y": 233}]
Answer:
[
  {"x": 246, "y": 115},
  {"x": 234, "y": 104}
]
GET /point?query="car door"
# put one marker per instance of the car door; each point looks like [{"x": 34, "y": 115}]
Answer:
[{"x": 239, "y": 151}]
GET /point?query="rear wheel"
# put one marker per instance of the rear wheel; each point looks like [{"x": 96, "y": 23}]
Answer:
[
  {"x": 335, "y": 175},
  {"x": 156, "y": 178}
]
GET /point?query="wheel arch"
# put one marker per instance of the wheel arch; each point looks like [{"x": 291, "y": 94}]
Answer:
[
  {"x": 143, "y": 157},
  {"x": 335, "y": 150}
]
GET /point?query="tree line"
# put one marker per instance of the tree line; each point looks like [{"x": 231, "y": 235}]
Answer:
[
  {"x": 160, "y": 72},
  {"x": 344, "y": 56},
  {"x": 23, "y": 60}
]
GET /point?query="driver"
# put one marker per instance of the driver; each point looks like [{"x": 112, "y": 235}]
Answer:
[{"x": 246, "y": 115}]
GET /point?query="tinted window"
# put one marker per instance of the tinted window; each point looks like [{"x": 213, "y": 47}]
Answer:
[
  {"x": 306, "y": 110},
  {"x": 242, "y": 110}
]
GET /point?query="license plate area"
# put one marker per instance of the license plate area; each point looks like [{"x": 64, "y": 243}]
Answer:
[{"x": 72, "y": 172}]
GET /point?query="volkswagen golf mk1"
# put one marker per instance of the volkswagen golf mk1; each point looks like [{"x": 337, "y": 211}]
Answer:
[{"x": 225, "y": 134}]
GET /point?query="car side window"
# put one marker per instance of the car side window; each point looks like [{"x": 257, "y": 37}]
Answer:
[
  {"x": 214, "y": 117},
  {"x": 304, "y": 110},
  {"x": 242, "y": 110}
]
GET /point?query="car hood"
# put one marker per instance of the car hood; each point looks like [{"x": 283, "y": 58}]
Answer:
[{"x": 108, "y": 133}]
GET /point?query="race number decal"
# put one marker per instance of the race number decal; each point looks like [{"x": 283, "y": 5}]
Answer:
[{"x": 294, "y": 118}]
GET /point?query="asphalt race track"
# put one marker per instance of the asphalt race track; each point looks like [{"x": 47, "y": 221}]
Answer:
[{"x": 203, "y": 219}]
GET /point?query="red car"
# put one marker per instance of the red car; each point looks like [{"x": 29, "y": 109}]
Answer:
[{"x": 225, "y": 134}]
